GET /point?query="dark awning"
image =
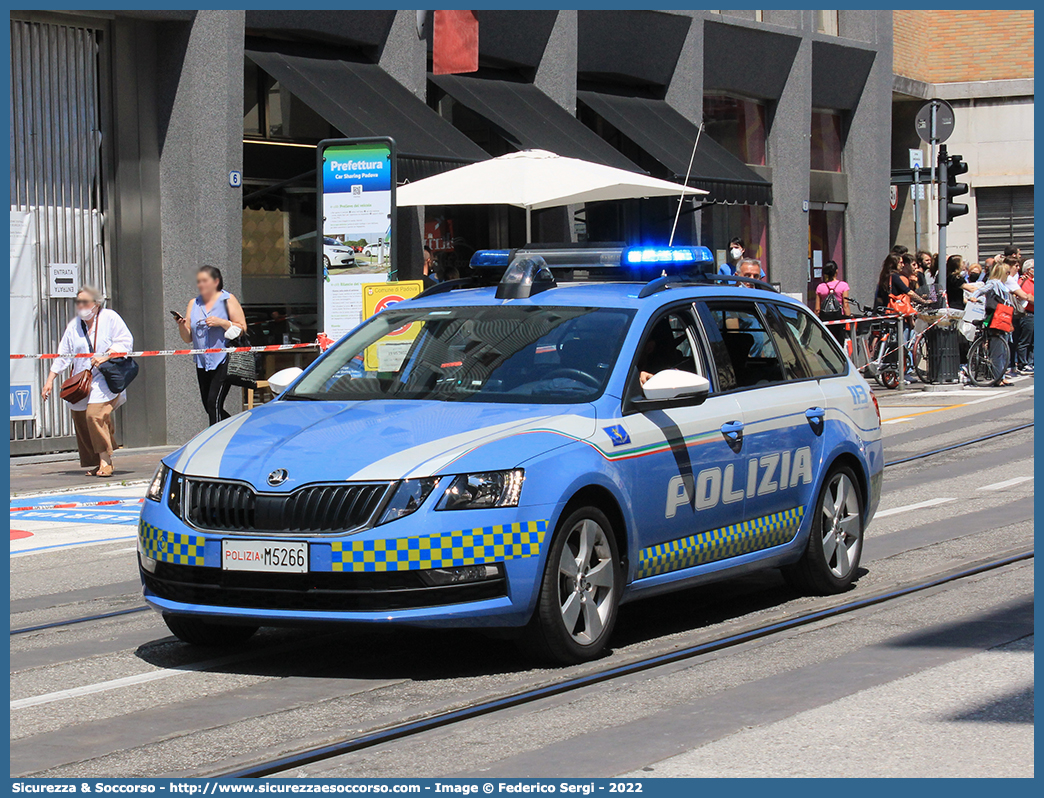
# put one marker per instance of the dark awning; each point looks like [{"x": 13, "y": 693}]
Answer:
[
  {"x": 364, "y": 100},
  {"x": 529, "y": 119},
  {"x": 668, "y": 137}
]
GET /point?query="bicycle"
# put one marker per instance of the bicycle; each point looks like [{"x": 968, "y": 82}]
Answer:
[
  {"x": 987, "y": 357},
  {"x": 876, "y": 351}
]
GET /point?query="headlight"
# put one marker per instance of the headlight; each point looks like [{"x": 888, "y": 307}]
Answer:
[
  {"x": 409, "y": 495},
  {"x": 478, "y": 491},
  {"x": 155, "y": 490}
]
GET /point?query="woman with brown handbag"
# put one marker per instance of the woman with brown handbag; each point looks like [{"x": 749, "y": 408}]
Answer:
[{"x": 101, "y": 332}]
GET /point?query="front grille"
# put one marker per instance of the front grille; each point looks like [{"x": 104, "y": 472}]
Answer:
[
  {"x": 345, "y": 592},
  {"x": 311, "y": 510}
]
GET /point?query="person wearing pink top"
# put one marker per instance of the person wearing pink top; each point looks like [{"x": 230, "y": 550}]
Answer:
[{"x": 832, "y": 300}]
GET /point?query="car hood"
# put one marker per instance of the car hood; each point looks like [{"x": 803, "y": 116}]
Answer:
[{"x": 377, "y": 440}]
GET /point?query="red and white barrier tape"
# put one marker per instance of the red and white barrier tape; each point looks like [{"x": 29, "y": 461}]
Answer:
[
  {"x": 167, "y": 352},
  {"x": 861, "y": 319},
  {"x": 77, "y": 505}
]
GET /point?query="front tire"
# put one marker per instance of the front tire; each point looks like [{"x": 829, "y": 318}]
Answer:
[
  {"x": 580, "y": 592},
  {"x": 197, "y": 632},
  {"x": 835, "y": 543}
]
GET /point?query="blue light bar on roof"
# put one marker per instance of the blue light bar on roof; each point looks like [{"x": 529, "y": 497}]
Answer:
[
  {"x": 487, "y": 258},
  {"x": 664, "y": 255}
]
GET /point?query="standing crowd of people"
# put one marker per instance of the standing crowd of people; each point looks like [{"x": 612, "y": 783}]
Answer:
[{"x": 909, "y": 283}]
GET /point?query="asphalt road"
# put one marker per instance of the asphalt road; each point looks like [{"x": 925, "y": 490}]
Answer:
[{"x": 900, "y": 689}]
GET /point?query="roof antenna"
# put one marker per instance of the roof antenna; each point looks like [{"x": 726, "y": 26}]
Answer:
[{"x": 688, "y": 172}]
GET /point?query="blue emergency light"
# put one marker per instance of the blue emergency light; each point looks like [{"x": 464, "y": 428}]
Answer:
[
  {"x": 677, "y": 256},
  {"x": 488, "y": 258}
]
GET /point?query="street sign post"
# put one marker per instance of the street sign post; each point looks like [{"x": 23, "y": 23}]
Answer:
[
  {"x": 917, "y": 163},
  {"x": 934, "y": 124}
]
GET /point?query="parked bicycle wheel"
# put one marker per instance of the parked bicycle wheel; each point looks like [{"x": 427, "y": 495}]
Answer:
[
  {"x": 987, "y": 360},
  {"x": 920, "y": 358}
]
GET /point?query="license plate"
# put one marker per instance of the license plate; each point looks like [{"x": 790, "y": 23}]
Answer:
[{"x": 264, "y": 555}]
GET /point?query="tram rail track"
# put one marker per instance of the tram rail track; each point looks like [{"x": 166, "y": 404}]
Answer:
[{"x": 431, "y": 722}]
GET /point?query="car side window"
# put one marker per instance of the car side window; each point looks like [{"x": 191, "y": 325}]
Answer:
[
  {"x": 747, "y": 355},
  {"x": 820, "y": 350},
  {"x": 668, "y": 343},
  {"x": 793, "y": 366}
]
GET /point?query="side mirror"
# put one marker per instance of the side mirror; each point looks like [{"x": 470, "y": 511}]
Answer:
[
  {"x": 281, "y": 380},
  {"x": 672, "y": 387}
]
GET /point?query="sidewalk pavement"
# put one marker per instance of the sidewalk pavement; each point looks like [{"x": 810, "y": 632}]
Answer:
[{"x": 48, "y": 473}]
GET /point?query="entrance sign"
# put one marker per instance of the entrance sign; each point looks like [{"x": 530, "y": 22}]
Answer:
[
  {"x": 356, "y": 192},
  {"x": 388, "y": 354},
  {"x": 63, "y": 279}
]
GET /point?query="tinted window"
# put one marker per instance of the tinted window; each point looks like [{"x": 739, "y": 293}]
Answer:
[
  {"x": 473, "y": 354},
  {"x": 746, "y": 355},
  {"x": 821, "y": 353},
  {"x": 667, "y": 345}
]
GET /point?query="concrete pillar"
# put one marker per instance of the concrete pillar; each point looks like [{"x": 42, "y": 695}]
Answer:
[
  {"x": 200, "y": 106},
  {"x": 685, "y": 92},
  {"x": 404, "y": 54},
  {"x": 556, "y": 73},
  {"x": 867, "y": 158},
  {"x": 788, "y": 149}
]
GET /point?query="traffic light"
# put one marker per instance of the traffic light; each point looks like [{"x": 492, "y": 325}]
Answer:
[{"x": 950, "y": 168}]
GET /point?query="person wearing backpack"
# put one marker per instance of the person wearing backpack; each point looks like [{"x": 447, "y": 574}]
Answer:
[{"x": 832, "y": 300}]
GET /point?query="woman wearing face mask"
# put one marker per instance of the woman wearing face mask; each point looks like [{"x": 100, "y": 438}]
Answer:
[
  {"x": 101, "y": 331},
  {"x": 213, "y": 320},
  {"x": 736, "y": 250}
]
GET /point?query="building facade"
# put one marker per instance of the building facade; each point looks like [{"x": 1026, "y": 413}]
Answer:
[
  {"x": 981, "y": 62},
  {"x": 147, "y": 114}
]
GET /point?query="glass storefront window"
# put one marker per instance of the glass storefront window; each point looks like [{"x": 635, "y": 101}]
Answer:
[
  {"x": 719, "y": 224},
  {"x": 827, "y": 22},
  {"x": 251, "y": 99},
  {"x": 738, "y": 125},
  {"x": 826, "y": 242},
  {"x": 826, "y": 141},
  {"x": 272, "y": 112}
]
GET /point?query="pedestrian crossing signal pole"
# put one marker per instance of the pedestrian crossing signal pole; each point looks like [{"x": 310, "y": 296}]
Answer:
[
  {"x": 950, "y": 167},
  {"x": 940, "y": 272}
]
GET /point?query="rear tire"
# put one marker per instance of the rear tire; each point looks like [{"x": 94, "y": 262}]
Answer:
[
  {"x": 889, "y": 379},
  {"x": 197, "y": 632},
  {"x": 580, "y": 592},
  {"x": 835, "y": 542},
  {"x": 981, "y": 370}
]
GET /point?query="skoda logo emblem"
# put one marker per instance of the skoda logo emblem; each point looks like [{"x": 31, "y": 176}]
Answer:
[{"x": 277, "y": 477}]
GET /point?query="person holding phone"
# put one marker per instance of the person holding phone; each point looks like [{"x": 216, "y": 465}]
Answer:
[{"x": 212, "y": 320}]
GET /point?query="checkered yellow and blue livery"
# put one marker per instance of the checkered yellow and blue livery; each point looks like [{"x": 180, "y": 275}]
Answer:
[
  {"x": 720, "y": 544},
  {"x": 468, "y": 547},
  {"x": 172, "y": 547}
]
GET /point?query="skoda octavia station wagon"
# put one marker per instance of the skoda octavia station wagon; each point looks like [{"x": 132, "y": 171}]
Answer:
[{"x": 526, "y": 449}]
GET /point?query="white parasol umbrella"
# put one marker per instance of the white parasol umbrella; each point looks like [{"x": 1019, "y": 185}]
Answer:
[{"x": 535, "y": 179}]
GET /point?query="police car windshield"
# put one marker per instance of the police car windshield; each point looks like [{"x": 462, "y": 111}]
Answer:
[{"x": 473, "y": 354}]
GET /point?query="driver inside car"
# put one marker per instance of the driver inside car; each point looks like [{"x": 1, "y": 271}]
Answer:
[{"x": 660, "y": 352}]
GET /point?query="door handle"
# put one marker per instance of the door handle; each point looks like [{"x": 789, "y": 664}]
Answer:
[
  {"x": 816, "y": 416},
  {"x": 733, "y": 434}
]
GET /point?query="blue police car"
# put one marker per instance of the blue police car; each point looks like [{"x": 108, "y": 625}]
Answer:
[{"x": 528, "y": 448}]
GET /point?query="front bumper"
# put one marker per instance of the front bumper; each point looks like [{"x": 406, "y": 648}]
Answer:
[{"x": 371, "y": 576}]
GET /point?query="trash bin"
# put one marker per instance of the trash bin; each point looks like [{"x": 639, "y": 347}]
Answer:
[{"x": 944, "y": 354}]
